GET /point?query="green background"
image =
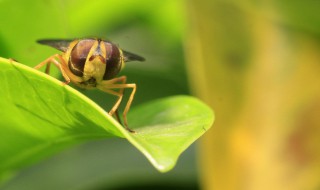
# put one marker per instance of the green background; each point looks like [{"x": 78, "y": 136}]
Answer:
[{"x": 153, "y": 29}]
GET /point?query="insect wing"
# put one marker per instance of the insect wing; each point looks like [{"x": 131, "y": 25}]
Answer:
[
  {"x": 131, "y": 57},
  {"x": 59, "y": 44}
]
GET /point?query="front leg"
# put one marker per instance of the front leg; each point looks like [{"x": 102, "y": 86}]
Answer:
[{"x": 60, "y": 65}]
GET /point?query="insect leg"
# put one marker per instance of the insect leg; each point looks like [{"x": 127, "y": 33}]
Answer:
[
  {"x": 126, "y": 109},
  {"x": 105, "y": 86},
  {"x": 116, "y": 105},
  {"x": 118, "y": 117},
  {"x": 48, "y": 68},
  {"x": 114, "y": 109},
  {"x": 60, "y": 65},
  {"x": 45, "y": 62}
]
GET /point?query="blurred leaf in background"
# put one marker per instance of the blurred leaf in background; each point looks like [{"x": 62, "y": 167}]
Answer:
[
  {"x": 153, "y": 29},
  {"x": 258, "y": 66}
]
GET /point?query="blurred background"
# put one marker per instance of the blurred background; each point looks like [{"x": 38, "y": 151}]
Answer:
[{"x": 256, "y": 63}]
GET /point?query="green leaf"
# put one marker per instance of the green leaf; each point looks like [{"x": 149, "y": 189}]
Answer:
[{"x": 40, "y": 115}]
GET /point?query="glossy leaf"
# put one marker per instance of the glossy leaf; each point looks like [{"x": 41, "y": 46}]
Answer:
[{"x": 40, "y": 115}]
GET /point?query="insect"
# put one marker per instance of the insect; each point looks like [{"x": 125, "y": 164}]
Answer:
[{"x": 93, "y": 63}]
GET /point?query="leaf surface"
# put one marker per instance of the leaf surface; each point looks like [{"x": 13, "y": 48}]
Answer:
[{"x": 40, "y": 115}]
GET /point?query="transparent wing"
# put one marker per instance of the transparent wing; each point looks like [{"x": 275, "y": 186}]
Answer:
[
  {"x": 131, "y": 57},
  {"x": 59, "y": 44}
]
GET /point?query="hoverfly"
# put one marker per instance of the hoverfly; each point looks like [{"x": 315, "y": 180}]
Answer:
[{"x": 93, "y": 63}]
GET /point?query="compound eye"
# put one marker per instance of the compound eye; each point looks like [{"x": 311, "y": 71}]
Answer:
[
  {"x": 79, "y": 55},
  {"x": 114, "y": 61}
]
